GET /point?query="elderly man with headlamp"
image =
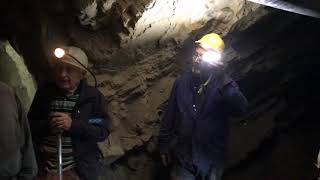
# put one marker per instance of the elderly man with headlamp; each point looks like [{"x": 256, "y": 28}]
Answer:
[{"x": 68, "y": 118}]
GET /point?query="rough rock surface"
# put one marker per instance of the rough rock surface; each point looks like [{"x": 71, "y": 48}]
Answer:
[
  {"x": 137, "y": 77},
  {"x": 14, "y": 73},
  {"x": 137, "y": 63},
  {"x": 137, "y": 49}
]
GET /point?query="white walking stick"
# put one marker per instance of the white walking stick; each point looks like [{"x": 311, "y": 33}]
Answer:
[
  {"x": 60, "y": 156},
  {"x": 318, "y": 164}
]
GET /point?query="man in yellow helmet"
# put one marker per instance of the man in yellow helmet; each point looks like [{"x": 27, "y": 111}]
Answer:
[{"x": 194, "y": 128}]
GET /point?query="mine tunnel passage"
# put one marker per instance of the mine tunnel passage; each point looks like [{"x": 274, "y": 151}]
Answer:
[{"x": 137, "y": 50}]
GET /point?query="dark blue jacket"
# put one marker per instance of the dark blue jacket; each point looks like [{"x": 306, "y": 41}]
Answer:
[
  {"x": 198, "y": 135},
  {"x": 85, "y": 133}
]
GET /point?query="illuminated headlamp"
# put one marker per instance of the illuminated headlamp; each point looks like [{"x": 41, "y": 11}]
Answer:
[
  {"x": 212, "y": 57},
  {"x": 59, "y": 52}
]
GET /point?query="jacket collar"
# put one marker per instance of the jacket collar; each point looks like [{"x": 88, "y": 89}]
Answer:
[
  {"x": 83, "y": 89},
  {"x": 85, "y": 92}
]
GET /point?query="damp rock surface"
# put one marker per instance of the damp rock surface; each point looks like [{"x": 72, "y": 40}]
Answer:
[{"x": 138, "y": 48}]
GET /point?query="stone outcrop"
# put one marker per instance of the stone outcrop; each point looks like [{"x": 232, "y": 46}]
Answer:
[
  {"x": 14, "y": 73},
  {"x": 138, "y": 48}
]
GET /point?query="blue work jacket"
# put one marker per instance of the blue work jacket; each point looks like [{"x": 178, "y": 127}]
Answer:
[{"x": 197, "y": 135}]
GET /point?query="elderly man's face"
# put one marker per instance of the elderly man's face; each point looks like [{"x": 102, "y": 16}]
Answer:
[{"x": 67, "y": 77}]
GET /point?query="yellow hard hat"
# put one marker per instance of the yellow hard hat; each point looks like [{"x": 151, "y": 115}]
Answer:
[{"x": 211, "y": 41}]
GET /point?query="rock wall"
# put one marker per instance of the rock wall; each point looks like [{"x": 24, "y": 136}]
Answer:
[
  {"x": 14, "y": 73},
  {"x": 136, "y": 64},
  {"x": 138, "y": 48}
]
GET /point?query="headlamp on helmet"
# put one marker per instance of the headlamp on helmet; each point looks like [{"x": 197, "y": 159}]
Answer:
[
  {"x": 59, "y": 52},
  {"x": 212, "y": 57}
]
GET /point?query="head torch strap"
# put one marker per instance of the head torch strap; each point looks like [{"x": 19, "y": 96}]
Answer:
[{"x": 202, "y": 86}]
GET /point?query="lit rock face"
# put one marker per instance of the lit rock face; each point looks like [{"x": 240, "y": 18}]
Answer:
[
  {"x": 136, "y": 70},
  {"x": 144, "y": 46},
  {"x": 138, "y": 48},
  {"x": 15, "y": 74}
]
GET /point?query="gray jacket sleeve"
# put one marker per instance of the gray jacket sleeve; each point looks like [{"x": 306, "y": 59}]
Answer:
[{"x": 29, "y": 167}]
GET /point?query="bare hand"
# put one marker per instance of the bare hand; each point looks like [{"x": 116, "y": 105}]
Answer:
[
  {"x": 60, "y": 122},
  {"x": 166, "y": 159}
]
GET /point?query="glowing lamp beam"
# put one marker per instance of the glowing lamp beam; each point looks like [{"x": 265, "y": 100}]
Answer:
[
  {"x": 59, "y": 53},
  {"x": 212, "y": 57}
]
